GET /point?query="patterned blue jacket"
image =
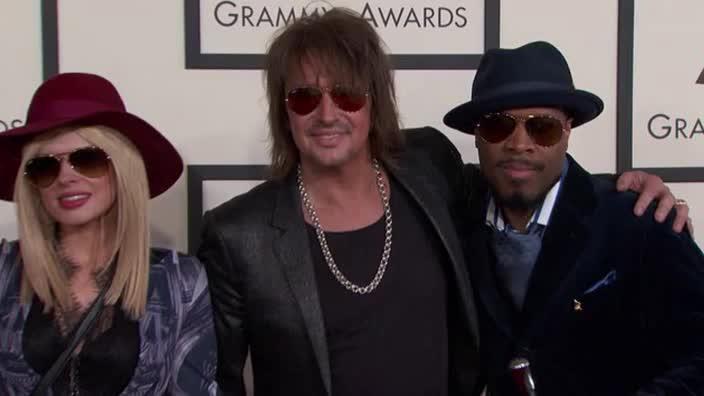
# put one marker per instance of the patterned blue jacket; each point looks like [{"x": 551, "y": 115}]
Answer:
[{"x": 177, "y": 343}]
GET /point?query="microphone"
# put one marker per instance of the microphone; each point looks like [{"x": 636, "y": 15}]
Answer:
[{"x": 522, "y": 377}]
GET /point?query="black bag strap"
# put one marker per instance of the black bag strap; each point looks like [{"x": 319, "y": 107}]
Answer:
[{"x": 83, "y": 328}]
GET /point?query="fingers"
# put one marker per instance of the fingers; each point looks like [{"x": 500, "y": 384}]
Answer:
[
  {"x": 665, "y": 204},
  {"x": 644, "y": 199},
  {"x": 652, "y": 187},
  {"x": 649, "y": 187},
  {"x": 682, "y": 215},
  {"x": 631, "y": 180}
]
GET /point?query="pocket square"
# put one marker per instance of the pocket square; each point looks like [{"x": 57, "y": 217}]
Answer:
[{"x": 607, "y": 280}]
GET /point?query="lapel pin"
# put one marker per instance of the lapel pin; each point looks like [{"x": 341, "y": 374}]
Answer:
[{"x": 577, "y": 306}]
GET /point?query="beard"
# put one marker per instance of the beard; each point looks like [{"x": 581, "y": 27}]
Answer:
[{"x": 520, "y": 200}]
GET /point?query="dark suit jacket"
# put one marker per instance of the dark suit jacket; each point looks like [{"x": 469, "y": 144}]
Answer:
[
  {"x": 639, "y": 285},
  {"x": 256, "y": 251}
]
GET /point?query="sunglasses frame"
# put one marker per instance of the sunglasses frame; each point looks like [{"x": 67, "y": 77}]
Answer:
[
  {"x": 324, "y": 90},
  {"x": 59, "y": 158},
  {"x": 521, "y": 119}
]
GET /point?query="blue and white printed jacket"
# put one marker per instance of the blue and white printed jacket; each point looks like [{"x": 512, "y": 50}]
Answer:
[{"x": 177, "y": 353}]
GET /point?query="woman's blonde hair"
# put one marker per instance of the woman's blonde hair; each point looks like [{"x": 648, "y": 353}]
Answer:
[{"x": 43, "y": 272}]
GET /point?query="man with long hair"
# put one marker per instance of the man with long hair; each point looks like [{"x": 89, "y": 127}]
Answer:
[{"x": 343, "y": 274}]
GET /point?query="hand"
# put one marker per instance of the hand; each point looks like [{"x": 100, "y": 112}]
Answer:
[{"x": 652, "y": 187}]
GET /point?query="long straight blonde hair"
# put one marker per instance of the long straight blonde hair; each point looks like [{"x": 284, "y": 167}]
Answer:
[{"x": 43, "y": 273}]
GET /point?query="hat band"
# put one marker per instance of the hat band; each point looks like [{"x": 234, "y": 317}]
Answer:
[
  {"x": 69, "y": 109},
  {"x": 523, "y": 87}
]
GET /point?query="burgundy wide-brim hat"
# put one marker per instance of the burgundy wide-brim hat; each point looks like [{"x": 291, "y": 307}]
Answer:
[{"x": 81, "y": 99}]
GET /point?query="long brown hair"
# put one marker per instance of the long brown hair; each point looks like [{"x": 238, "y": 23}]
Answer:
[{"x": 351, "y": 52}]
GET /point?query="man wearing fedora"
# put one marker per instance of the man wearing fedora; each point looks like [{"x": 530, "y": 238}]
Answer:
[{"x": 576, "y": 295}]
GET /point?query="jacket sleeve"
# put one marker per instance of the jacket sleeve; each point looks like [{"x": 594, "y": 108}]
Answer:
[
  {"x": 673, "y": 318},
  {"x": 446, "y": 159},
  {"x": 228, "y": 308},
  {"x": 194, "y": 357}
]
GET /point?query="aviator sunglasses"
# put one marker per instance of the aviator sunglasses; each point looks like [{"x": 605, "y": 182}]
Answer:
[
  {"x": 89, "y": 161},
  {"x": 544, "y": 130},
  {"x": 304, "y": 100}
]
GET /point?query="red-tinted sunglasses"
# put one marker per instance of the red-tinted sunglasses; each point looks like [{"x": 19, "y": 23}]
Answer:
[
  {"x": 304, "y": 100},
  {"x": 545, "y": 130},
  {"x": 90, "y": 161}
]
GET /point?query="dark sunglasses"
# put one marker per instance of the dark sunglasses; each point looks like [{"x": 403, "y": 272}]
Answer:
[
  {"x": 89, "y": 161},
  {"x": 545, "y": 130},
  {"x": 304, "y": 100}
]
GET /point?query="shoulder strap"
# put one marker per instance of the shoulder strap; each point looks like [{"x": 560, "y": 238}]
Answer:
[{"x": 83, "y": 328}]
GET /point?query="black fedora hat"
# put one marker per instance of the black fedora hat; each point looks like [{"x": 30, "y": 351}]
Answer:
[{"x": 534, "y": 75}]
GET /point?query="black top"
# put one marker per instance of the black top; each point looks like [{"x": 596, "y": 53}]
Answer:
[
  {"x": 105, "y": 363},
  {"x": 392, "y": 341}
]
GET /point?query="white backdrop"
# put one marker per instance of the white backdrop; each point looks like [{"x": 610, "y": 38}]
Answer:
[{"x": 217, "y": 116}]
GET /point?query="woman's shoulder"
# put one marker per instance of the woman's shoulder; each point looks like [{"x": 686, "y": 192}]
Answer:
[
  {"x": 10, "y": 268},
  {"x": 9, "y": 252},
  {"x": 170, "y": 268},
  {"x": 7, "y": 246}
]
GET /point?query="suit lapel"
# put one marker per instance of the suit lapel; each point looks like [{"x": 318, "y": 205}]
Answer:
[
  {"x": 477, "y": 239},
  {"x": 479, "y": 249},
  {"x": 435, "y": 209},
  {"x": 292, "y": 249},
  {"x": 565, "y": 237}
]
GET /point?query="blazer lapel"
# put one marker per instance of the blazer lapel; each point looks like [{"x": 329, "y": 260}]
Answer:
[
  {"x": 436, "y": 210},
  {"x": 565, "y": 237},
  {"x": 292, "y": 249},
  {"x": 478, "y": 250}
]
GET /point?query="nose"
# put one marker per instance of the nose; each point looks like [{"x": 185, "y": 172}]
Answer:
[
  {"x": 327, "y": 109},
  {"x": 519, "y": 140},
  {"x": 66, "y": 173}
]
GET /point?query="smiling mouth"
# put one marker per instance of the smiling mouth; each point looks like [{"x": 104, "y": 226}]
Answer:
[
  {"x": 74, "y": 197},
  {"x": 73, "y": 201},
  {"x": 327, "y": 139}
]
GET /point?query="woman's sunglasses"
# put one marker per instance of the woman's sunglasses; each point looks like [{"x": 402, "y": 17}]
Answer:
[
  {"x": 304, "y": 100},
  {"x": 89, "y": 161},
  {"x": 545, "y": 130}
]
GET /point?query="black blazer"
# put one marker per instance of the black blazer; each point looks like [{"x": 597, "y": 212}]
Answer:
[
  {"x": 615, "y": 304},
  {"x": 255, "y": 249}
]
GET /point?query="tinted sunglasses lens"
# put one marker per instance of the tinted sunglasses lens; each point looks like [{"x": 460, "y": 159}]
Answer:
[
  {"x": 348, "y": 99},
  {"x": 42, "y": 171},
  {"x": 303, "y": 100},
  {"x": 494, "y": 128},
  {"x": 545, "y": 131},
  {"x": 90, "y": 162}
]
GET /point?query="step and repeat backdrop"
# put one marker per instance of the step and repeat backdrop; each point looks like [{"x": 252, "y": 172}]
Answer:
[{"x": 193, "y": 69}]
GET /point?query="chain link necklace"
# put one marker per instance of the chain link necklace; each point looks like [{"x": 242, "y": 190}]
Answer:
[{"x": 324, "y": 244}]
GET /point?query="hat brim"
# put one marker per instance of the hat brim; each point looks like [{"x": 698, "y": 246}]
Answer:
[
  {"x": 582, "y": 106},
  {"x": 162, "y": 162}
]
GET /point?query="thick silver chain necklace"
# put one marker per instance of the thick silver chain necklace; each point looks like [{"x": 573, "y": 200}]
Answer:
[{"x": 386, "y": 253}]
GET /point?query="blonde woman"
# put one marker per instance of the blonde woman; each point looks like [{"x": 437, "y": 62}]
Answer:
[{"x": 81, "y": 172}]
